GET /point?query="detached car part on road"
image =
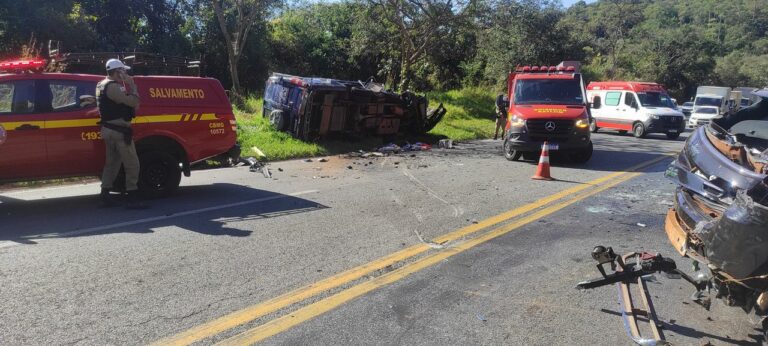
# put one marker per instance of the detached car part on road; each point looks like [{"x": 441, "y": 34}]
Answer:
[
  {"x": 312, "y": 108},
  {"x": 52, "y": 131}
]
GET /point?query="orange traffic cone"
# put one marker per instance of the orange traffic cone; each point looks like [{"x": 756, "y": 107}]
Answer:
[{"x": 542, "y": 171}]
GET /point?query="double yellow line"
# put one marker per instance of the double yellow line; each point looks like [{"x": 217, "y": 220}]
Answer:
[{"x": 278, "y": 325}]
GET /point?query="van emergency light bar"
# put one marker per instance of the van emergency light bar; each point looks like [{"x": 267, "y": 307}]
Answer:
[
  {"x": 21, "y": 65},
  {"x": 544, "y": 69}
]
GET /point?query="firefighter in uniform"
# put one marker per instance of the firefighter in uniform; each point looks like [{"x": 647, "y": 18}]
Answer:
[
  {"x": 117, "y": 100},
  {"x": 502, "y": 104}
]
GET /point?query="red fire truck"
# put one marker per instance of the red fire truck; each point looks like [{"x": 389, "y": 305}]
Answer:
[
  {"x": 547, "y": 103},
  {"x": 49, "y": 121}
]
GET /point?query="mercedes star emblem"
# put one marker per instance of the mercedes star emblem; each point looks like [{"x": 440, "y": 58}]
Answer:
[{"x": 550, "y": 126}]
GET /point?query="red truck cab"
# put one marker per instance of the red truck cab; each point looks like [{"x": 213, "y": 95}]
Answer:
[
  {"x": 547, "y": 104},
  {"x": 51, "y": 131}
]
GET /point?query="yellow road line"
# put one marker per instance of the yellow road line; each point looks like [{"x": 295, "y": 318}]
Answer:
[
  {"x": 251, "y": 313},
  {"x": 318, "y": 308}
]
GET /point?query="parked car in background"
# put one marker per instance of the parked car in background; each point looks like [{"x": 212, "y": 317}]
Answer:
[
  {"x": 687, "y": 108},
  {"x": 703, "y": 115}
]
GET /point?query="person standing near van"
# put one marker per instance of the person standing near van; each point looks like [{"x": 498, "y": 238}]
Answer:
[
  {"x": 502, "y": 103},
  {"x": 117, "y": 100}
]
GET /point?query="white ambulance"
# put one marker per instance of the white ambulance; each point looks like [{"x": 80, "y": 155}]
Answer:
[{"x": 639, "y": 107}]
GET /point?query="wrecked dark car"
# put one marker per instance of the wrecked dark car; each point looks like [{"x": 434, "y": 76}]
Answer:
[
  {"x": 719, "y": 219},
  {"x": 313, "y": 108}
]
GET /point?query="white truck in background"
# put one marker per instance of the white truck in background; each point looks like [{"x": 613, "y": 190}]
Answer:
[
  {"x": 747, "y": 98},
  {"x": 712, "y": 96}
]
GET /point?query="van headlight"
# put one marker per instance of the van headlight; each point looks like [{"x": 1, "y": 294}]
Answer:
[
  {"x": 582, "y": 123},
  {"x": 654, "y": 117},
  {"x": 516, "y": 121}
]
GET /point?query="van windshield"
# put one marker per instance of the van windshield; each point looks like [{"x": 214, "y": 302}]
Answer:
[
  {"x": 708, "y": 101},
  {"x": 549, "y": 91},
  {"x": 654, "y": 99}
]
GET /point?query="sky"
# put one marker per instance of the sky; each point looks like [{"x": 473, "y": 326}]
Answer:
[{"x": 568, "y": 3}]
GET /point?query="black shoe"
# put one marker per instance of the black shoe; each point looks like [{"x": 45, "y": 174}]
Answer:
[
  {"x": 135, "y": 202},
  {"x": 106, "y": 199}
]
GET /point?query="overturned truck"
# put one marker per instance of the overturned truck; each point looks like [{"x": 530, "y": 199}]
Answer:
[{"x": 313, "y": 108}]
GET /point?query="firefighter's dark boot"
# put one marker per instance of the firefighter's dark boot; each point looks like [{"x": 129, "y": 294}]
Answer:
[
  {"x": 134, "y": 201},
  {"x": 106, "y": 199}
]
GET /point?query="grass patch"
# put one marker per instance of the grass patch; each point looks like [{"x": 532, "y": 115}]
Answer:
[
  {"x": 471, "y": 113},
  {"x": 253, "y": 130},
  {"x": 470, "y": 116}
]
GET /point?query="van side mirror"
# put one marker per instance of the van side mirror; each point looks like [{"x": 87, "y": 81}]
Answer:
[{"x": 595, "y": 102}]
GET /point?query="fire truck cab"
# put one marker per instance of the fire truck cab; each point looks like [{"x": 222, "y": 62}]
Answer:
[
  {"x": 547, "y": 104},
  {"x": 50, "y": 130}
]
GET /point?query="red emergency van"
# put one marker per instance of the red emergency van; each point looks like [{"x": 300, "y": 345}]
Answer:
[
  {"x": 639, "y": 107},
  {"x": 50, "y": 125},
  {"x": 547, "y": 104}
]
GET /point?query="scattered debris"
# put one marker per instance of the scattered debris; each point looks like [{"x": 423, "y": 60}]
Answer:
[
  {"x": 418, "y": 146},
  {"x": 279, "y": 169},
  {"x": 258, "y": 152},
  {"x": 257, "y": 166},
  {"x": 308, "y": 160},
  {"x": 323, "y": 160},
  {"x": 642, "y": 224},
  {"x": 445, "y": 144},
  {"x": 390, "y": 148},
  {"x": 349, "y": 167},
  {"x": 481, "y": 317}
]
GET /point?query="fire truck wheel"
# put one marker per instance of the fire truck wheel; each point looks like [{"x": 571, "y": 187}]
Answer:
[
  {"x": 277, "y": 120},
  {"x": 509, "y": 154},
  {"x": 593, "y": 126},
  {"x": 673, "y": 136},
  {"x": 638, "y": 130},
  {"x": 160, "y": 173},
  {"x": 583, "y": 155}
]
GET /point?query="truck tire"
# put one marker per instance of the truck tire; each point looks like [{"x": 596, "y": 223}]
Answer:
[
  {"x": 673, "y": 136},
  {"x": 160, "y": 174},
  {"x": 277, "y": 119},
  {"x": 509, "y": 154},
  {"x": 583, "y": 155},
  {"x": 638, "y": 130}
]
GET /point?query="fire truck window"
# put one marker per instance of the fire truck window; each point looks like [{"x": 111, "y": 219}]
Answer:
[
  {"x": 612, "y": 98},
  {"x": 22, "y": 97},
  {"x": 6, "y": 97},
  {"x": 68, "y": 95}
]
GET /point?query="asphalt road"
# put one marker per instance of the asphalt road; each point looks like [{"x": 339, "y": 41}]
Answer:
[{"x": 447, "y": 247}]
